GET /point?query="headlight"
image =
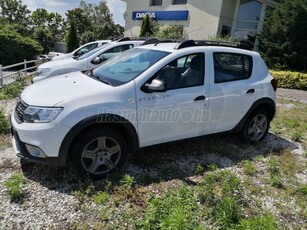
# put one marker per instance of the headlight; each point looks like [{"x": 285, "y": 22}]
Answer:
[
  {"x": 40, "y": 115},
  {"x": 42, "y": 72}
]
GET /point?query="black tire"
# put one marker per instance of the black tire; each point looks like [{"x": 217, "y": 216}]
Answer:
[
  {"x": 99, "y": 152},
  {"x": 254, "y": 132}
]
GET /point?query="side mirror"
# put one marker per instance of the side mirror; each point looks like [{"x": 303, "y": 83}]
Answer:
[
  {"x": 96, "y": 61},
  {"x": 156, "y": 86}
]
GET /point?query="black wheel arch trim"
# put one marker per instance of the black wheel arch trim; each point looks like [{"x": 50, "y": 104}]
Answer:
[
  {"x": 263, "y": 103},
  {"x": 110, "y": 120}
]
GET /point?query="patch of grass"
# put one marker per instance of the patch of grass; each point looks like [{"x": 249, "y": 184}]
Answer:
[
  {"x": 4, "y": 123},
  {"x": 303, "y": 190},
  {"x": 265, "y": 222},
  {"x": 297, "y": 136},
  {"x": 127, "y": 181},
  {"x": 101, "y": 198},
  {"x": 213, "y": 167},
  {"x": 198, "y": 169},
  {"x": 175, "y": 210},
  {"x": 288, "y": 163},
  {"x": 14, "y": 187},
  {"x": 12, "y": 90},
  {"x": 275, "y": 173},
  {"x": 84, "y": 192},
  {"x": 248, "y": 167},
  {"x": 275, "y": 181}
]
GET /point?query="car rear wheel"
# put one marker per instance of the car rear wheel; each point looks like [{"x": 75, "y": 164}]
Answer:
[
  {"x": 256, "y": 127},
  {"x": 99, "y": 152}
]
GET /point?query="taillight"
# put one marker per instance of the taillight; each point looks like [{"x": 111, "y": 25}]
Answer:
[{"x": 274, "y": 83}]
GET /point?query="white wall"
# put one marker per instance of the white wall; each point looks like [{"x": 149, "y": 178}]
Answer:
[{"x": 203, "y": 21}]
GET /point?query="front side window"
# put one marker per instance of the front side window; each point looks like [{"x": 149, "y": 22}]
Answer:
[
  {"x": 187, "y": 71},
  {"x": 92, "y": 52},
  {"x": 113, "y": 51},
  {"x": 155, "y": 2},
  {"x": 86, "y": 49},
  {"x": 127, "y": 66},
  {"x": 179, "y": 2},
  {"x": 232, "y": 67}
]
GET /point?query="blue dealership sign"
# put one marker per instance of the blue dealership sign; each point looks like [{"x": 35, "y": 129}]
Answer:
[{"x": 176, "y": 15}]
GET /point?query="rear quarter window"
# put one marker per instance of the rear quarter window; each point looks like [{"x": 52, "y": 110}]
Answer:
[{"x": 232, "y": 67}]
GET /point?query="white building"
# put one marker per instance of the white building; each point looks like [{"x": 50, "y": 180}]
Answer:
[{"x": 201, "y": 19}]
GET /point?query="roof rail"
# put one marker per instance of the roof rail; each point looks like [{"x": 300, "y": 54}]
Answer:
[
  {"x": 124, "y": 39},
  {"x": 151, "y": 41},
  {"x": 191, "y": 43},
  {"x": 184, "y": 44}
]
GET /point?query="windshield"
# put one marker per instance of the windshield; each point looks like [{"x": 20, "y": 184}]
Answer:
[
  {"x": 84, "y": 56},
  {"x": 127, "y": 65}
]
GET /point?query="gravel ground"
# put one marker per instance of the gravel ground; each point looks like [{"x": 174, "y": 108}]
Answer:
[{"x": 49, "y": 203}]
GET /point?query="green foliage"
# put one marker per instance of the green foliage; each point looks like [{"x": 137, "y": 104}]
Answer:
[
  {"x": 127, "y": 181},
  {"x": 72, "y": 38},
  {"x": 13, "y": 11},
  {"x": 175, "y": 210},
  {"x": 291, "y": 80},
  {"x": 15, "y": 47},
  {"x": 275, "y": 173},
  {"x": 170, "y": 32},
  {"x": 12, "y": 90},
  {"x": 146, "y": 27},
  {"x": 4, "y": 123},
  {"x": 283, "y": 41},
  {"x": 198, "y": 169},
  {"x": 303, "y": 190},
  {"x": 101, "y": 197},
  {"x": 14, "y": 186},
  {"x": 265, "y": 222},
  {"x": 248, "y": 167}
]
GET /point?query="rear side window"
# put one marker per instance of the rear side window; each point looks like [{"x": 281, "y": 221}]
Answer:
[{"x": 232, "y": 67}]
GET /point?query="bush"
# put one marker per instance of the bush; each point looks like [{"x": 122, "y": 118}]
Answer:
[
  {"x": 14, "y": 187},
  {"x": 291, "y": 80},
  {"x": 16, "y": 48},
  {"x": 170, "y": 32},
  {"x": 4, "y": 123},
  {"x": 12, "y": 90}
]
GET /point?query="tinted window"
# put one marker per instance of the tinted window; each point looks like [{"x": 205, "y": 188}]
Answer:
[
  {"x": 86, "y": 49},
  {"x": 155, "y": 2},
  {"x": 114, "y": 51},
  {"x": 178, "y": 2},
  {"x": 232, "y": 67},
  {"x": 183, "y": 72}
]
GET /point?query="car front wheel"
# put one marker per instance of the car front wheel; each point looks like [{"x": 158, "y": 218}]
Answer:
[
  {"x": 99, "y": 152},
  {"x": 256, "y": 127}
]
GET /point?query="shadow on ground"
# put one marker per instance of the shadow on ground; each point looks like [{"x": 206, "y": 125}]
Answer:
[{"x": 167, "y": 162}]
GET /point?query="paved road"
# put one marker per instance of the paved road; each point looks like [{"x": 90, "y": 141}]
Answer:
[{"x": 293, "y": 94}]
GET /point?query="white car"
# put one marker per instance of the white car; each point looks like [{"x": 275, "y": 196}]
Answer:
[
  {"x": 81, "y": 50},
  {"x": 86, "y": 62},
  {"x": 153, "y": 94}
]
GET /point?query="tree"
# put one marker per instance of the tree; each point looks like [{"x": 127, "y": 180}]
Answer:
[
  {"x": 72, "y": 38},
  {"x": 79, "y": 18},
  {"x": 16, "y": 47},
  {"x": 283, "y": 42},
  {"x": 13, "y": 11},
  {"x": 146, "y": 27}
]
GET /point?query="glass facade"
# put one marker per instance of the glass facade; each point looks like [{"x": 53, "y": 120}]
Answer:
[
  {"x": 155, "y": 2},
  {"x": 248, "y": 18}
]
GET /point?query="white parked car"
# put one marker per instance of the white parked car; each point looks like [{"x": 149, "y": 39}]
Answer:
[
  {"x": 153, "y": 94},
  {"x": 86, "y": 62},
  {"x": 81, "y": 50}
]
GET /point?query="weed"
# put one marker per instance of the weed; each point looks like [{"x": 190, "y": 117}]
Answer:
[
  {"x": 101, "y": 197},
  {"x": 127, "y": 181},
  {"x": 303, "y": 190},
  {"x": 227, "y": 212},
  {"x": 273, "y": 166},
  {"x": 14, "y": 187},
  {"x": 297, "y": 136},
  {"x": 175, "y": 210},
  {"x": 84, "y": 192},
  {"x": 4, "y": 123},
  {"x": 276, "y": 181},
  {"x": 213, "y": 167},
  {"x": 198, "y": 169},
  {"x": 12, "y": 90},
  {"x": 265, "y": 222},
  {"x": 248, "y": 167}
]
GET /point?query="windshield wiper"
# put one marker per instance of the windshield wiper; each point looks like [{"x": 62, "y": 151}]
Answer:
[{"x": 100, "y": 79}]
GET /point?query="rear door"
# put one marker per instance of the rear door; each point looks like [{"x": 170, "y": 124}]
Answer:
[{"x": 231, "y": 90}]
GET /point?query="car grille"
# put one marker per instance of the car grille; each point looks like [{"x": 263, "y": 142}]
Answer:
[{"x": 20, "y": 108}]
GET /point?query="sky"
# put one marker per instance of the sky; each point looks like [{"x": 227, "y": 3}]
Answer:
[{"x": 117, "y": 7}]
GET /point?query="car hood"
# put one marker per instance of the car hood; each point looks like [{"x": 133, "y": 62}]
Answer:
[
  {"x": 57, "y": 63},
  {"x": 56, "y": 90}
]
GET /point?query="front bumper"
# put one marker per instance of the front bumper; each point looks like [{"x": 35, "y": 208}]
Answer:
[{"x": 46, "y": 137}]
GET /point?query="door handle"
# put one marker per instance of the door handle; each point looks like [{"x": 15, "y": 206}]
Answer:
[
  {"x": 250, "y": 91},
  {"x": 200, "y": 98}
]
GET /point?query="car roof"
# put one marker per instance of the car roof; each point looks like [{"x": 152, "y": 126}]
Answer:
[{"x": 172, "y": 48}]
